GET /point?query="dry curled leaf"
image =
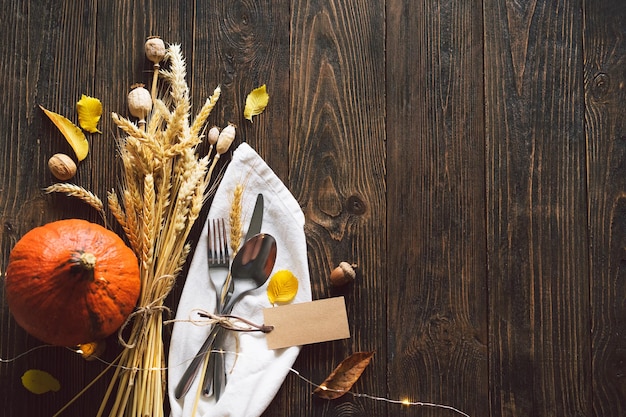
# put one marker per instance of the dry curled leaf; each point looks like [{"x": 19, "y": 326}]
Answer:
[
  {"x": 256, "y": 102},
  {"x": 39, "y": 382},
  {"x": 72, "y": 133},
  {"x": 282, "y": 287},
  {"x": 344, "y": 376},
  {"x": 89, "y": 111}
]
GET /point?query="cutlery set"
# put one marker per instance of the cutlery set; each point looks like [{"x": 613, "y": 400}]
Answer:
[{"x": 250, "y": 270}]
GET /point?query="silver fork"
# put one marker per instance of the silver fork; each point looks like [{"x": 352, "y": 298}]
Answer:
[{"x": 218, "y": 257}]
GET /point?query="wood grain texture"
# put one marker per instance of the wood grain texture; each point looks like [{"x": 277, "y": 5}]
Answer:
[
  {"x": 43, "y": 39},
  {"x": 337, "y": 173},
  {"x": 536, "y": 210},
  {"x": 241, "y": 45},
  {"x": 467, "y": 155},
  {"x": 436, "y": 224},
  {"x": 605, "y": 77}
]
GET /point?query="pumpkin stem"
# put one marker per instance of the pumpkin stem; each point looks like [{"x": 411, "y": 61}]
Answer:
[{"x": 87, "y": 261}]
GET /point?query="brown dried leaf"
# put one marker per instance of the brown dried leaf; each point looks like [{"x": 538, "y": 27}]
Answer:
[{"x": 344, "y": 376}]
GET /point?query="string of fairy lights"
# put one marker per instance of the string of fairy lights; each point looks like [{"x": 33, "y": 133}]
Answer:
[{"x": 401, "y": 402}]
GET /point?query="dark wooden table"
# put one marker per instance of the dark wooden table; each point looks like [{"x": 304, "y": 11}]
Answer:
[{"x": 469, "y": 156}]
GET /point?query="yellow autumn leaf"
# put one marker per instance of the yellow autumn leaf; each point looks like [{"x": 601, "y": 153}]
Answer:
[
  {"x": 72, "y": 133},
  {"x": 256, "y": 102},
  {"x": 39, "y": 382},
  {"x": 282, "y": 287},
  {"x": 89, "y": 111},
  {"x": 91, "y": 351}
]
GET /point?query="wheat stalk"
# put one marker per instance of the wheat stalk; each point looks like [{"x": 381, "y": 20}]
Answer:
[
  {"x": 79, "y": 192},
  {"x": 163, "y": 188},
  {"x": 236, "y": 228}
]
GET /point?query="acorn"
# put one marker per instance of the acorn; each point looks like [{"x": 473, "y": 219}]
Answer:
[
  {"x": 343, "y": 274},
  {"x": 62, "y": 166}
]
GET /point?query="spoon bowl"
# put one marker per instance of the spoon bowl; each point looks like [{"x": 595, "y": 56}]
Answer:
[{"x": 251, "y": 268}]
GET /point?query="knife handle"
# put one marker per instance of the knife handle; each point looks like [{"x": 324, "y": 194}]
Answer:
[
  {"x": 214, "y": 376},
  {"x": 187, "y": 379}
]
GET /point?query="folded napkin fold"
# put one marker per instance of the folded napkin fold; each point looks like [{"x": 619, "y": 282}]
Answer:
[{"x": 255, "y": 373}]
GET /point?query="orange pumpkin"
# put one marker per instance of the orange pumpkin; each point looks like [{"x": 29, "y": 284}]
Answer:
[{"x": 71, "y": 282}]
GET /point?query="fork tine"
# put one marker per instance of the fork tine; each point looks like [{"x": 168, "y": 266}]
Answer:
[
  {"x": 218, "y": 243},
  {"x": 224, "y": 243},
  {"x": 211, "y": 239}
]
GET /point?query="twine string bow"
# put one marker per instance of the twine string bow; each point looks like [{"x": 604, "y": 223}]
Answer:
[{"x": 232, "y": 322}]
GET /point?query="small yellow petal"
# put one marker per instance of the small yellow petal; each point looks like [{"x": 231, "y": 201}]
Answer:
[
  {"x": 39, "y": 382},
  {"x": 256, "y": 102},
  {"x": 283, "y": 287},
  {"x": 74, "y": 136},
  {"x": 89, "y": 111}
]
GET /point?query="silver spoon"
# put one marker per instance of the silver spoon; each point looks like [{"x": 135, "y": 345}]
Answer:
[{"x": 250, "y": 269}]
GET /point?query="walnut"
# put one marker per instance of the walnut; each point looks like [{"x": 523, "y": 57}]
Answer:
[{"x": 62, "y": 166}]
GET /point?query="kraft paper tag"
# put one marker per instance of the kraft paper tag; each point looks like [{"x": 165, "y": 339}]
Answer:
[{"x": 306, "y": 323}]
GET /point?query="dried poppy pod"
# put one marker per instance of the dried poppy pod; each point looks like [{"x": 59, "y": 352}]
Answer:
[
  {"x": 225, "y": 139},
  {"x": 214, "y": 134},
  {"x": 155, "y": 50},
  {"x": 139, "y": 103}
]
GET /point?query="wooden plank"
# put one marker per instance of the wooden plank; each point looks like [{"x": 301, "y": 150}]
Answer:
[
  {"x": 43, "y": 41},
  {"x": 56, "y": 53},
  {"x": 536, "y": 209},
  {"x": 241, "y": 46},
  {"x": 604, "y": 72},
  {"x": 337, "y": 173},
  {"x": 436, "y": 224}
]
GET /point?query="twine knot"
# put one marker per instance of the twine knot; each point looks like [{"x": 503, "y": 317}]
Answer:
[
  {"x": 144, "y": 313},
  {"x": 234, "y": 323}
]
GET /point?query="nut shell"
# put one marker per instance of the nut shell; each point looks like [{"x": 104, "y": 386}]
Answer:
[
  {"x": 62, "y": 166},
  {"x": 343, "y": 274}
]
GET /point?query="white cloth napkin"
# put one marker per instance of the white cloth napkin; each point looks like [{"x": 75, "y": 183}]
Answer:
[{"x": 256, "y": 375}]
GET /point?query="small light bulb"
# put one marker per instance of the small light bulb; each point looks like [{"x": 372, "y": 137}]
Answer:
[{"x": 406, "y": 401}]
